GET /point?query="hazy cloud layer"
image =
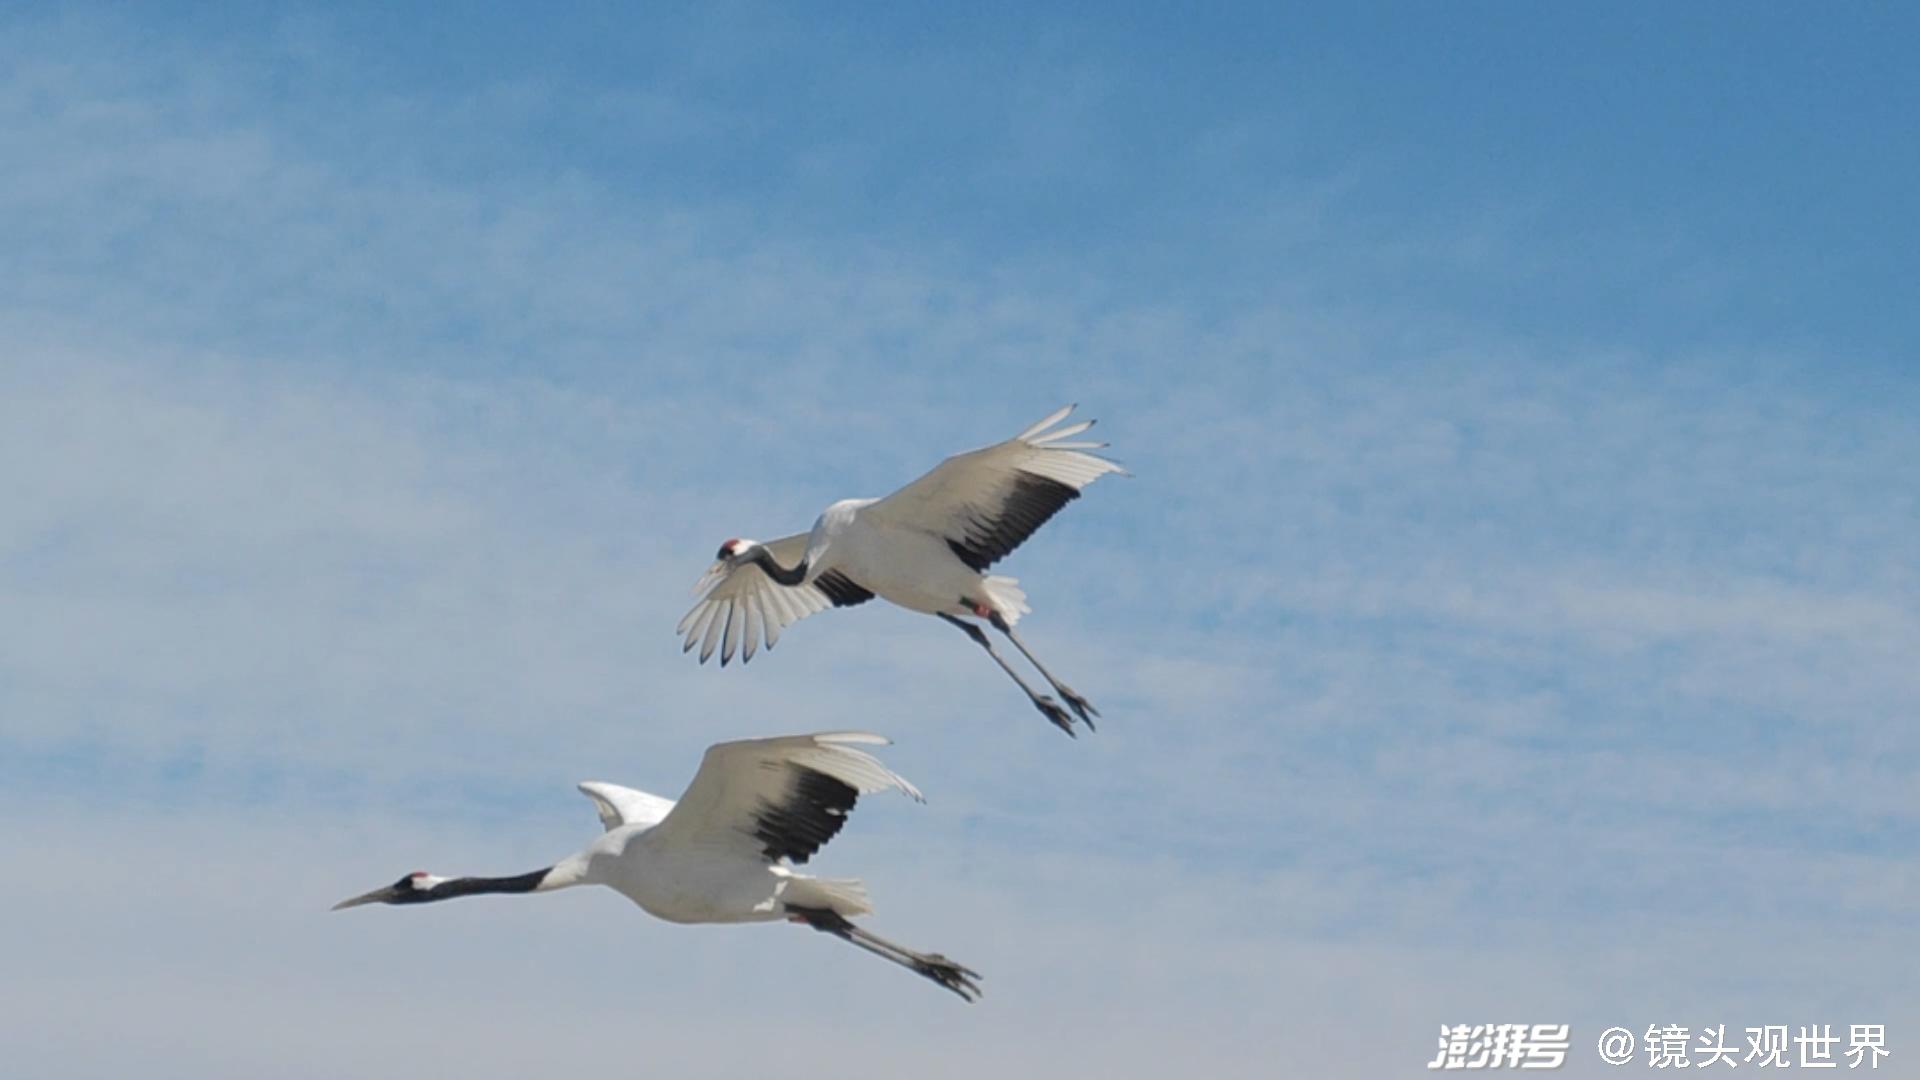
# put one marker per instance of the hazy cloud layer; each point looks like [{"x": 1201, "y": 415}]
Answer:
[{"x": 1453, "y": 672}]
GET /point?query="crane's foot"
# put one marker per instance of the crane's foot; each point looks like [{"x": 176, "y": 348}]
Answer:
[
  {"x": 1060, "y": 717},
  {"x": 953, "y": 976},
  {"x": 1078, "y": 704}
]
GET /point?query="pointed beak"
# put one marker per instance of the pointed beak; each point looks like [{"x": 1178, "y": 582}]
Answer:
[{"x": 377, "y": 896}]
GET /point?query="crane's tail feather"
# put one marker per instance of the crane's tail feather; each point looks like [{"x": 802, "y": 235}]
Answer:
[
  {"x": 1005, "y": 593},
  {"x": 845, "y": 897}
]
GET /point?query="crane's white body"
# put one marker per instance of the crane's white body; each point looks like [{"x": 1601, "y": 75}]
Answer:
[
  {"x": 685, "y": 884},
  {"x": 903, "y": 563}
]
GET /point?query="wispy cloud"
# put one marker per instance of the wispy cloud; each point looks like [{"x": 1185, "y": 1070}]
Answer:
[{"x": 1452, "y": 672}]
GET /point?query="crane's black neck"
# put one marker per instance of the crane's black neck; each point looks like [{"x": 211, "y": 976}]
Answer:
[
  {"x": 474, "y": 886},
  {"x": 764, "y": 559}
]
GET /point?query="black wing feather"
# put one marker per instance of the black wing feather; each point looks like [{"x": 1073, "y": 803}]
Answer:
[
  {"x": 841, "y": 590},
  {"x": 991, "y": 537},
  {"x": 812, "y": 811}
]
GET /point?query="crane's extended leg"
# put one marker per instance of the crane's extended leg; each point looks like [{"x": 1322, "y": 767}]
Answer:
[
  {"x": 953, "y": 976},
  {"x": 1080, "y": 705},
  {"x": 1048, "y": 706}
]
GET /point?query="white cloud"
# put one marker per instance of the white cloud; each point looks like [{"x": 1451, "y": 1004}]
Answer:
[{"x": 1447, "y": 676}]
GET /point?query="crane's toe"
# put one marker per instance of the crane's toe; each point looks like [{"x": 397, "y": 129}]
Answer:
[
  {"x": 953, "y": 976},
  {"x": 1060, "y": 717},
  {"x": 1079, "y": 705}
]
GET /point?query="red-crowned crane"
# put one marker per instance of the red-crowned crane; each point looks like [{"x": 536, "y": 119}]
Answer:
[
  {"x": 925, "y": 547},
  {"x": 725, "y": 852}
]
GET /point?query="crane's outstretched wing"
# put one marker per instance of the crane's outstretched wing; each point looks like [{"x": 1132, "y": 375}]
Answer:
[
  {"x": 623, "y": 805},
  {"x": 987, "y": 502},
  {"x": 779, "y": 798},
  {"x": 739, "y": 607}
]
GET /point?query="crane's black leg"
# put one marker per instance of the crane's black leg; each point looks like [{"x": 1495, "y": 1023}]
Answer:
[
  {"x": 953, "y": 976},
  {"x": 1080, "y": 705},
  {"x": 1048, "y": 707}
]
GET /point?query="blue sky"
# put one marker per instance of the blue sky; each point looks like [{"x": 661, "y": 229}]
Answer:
[{"x": 1510, "y": 618}]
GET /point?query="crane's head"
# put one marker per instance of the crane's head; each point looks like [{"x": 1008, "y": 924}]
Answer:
[
  {"x": 415, "y": 888},
  {"x": 734, "y": 549}
]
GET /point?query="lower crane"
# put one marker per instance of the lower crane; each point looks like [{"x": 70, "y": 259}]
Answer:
[{"x": 725, "y": 853}]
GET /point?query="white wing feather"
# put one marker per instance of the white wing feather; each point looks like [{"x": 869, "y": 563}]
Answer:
[
  {"x": 990, "y": 500},
  {"x": 619, "y": 806},
  {"x": 738, "y": 780},
  {"x": 741, "y": 607}
]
